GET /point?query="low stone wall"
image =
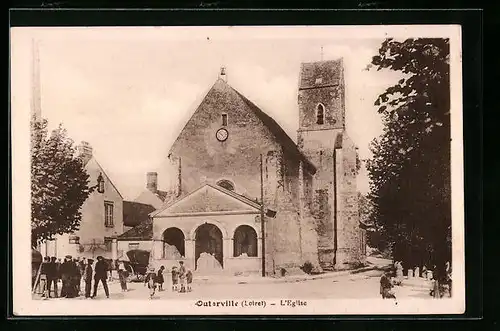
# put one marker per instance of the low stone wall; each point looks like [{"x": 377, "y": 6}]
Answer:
[{"x": 242, "y": 265}]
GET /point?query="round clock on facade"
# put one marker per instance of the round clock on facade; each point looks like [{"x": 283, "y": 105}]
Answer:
[{"x": 221, "y": 134}]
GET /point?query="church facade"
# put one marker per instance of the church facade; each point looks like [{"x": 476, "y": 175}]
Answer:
[{"x": 234, "y": 164}]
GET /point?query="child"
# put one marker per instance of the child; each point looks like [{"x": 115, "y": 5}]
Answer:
[
  {"x": 175, "y": 278},
  {"x": 189, "y": 279},
  {"x": 182, "y": 277},
  {"x": 159, "y": 278},
  {"x": 386, "y": 286},
  {"x": 151, "y": 281}
]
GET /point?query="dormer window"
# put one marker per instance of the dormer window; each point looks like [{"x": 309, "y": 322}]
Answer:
[
  {"x": 228, "y": 185},
  {"x": 320, "y": 114},
  {"x": 224, "y": 119}
]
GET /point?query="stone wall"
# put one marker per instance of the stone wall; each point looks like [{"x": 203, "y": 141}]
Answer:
[{"x": 348, "y": 230}]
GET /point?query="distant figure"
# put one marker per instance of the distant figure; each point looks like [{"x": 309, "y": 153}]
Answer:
[
  {"x": 52, "y": 276},
  {"x": 151, "y": 281},
  {"x": 448, "y": 277},
  {"x": 77, "y": 275},
  {"x": 44, "y": 272},
  {"x": 424, "y": 272},
  {"x": 182, "y": 277},
  {"x": 101, "y": 274},
  {"x": 122, "y": 276},
  {"x": 88, "y": 277},
  {"x": 386, "y": 286},
  {"x": 175, "y": 278},
  {"x": 159, "y": 278},
  {"x": 417, "y": 272},
  {"x": 189, "y": 279},
  {"x": 68, "y": 273}
]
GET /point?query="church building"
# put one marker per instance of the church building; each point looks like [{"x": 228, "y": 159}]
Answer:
[{"x": 234, "y": 164}]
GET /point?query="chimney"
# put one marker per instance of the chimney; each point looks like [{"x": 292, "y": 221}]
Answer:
[
  {"x": 84, "y": 151},
  {"x": 152, "y": 181}
]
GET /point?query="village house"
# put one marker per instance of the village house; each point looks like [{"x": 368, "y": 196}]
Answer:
[{"x": 102, "y": 217}]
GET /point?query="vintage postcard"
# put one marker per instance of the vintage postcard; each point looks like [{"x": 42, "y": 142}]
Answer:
[{"x": 288, "y": 170}]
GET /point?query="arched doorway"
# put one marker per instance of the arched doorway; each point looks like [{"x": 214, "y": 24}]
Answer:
[
  {"x": 173, "y": 244},
  {"x": 245, "y": 241},
  {"x": 208, "y": 240}
]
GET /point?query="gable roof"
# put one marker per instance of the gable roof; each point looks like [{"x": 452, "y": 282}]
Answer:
[
  {"x": 233, "y": 195},
  {"x": 135, "y": 212},
  {"x": 104, "y": 174},
  {"x": 274, "y": 128},
  {"x": 279, "y": 134},
  {"x": 143, "y": 231}
]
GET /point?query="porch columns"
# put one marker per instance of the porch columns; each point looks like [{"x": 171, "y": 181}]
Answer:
[
  {"x": 157, "y": 249},
  {"x": 227, "y": 248},
  {"x": 189, "y": 246}
]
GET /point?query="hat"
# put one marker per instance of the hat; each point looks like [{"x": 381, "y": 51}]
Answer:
[
  {"x": 151, "y": 269},
  {"x": 100, "y": 257},
  {"x": 69, "y": 256},
  {"x": 90, "y": 261},
  {"x": 181, "y": 262}
]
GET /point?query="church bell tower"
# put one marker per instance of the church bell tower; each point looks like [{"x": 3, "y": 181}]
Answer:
[{"x": 321, "y": 99}]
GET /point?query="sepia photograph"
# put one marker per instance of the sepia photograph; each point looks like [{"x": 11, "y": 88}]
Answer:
[{"x": 237, "y": 170}]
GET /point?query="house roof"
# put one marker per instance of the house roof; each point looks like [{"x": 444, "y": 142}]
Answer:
[
  {"x": 135, "y": 212},
  {"x": 109, "y": 179},
  {"x": 143, "y": 231}
]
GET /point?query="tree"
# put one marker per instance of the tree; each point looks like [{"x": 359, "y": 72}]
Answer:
[
  {"x": 59, "y": 184},
  {"x": 410, "y": 169}
]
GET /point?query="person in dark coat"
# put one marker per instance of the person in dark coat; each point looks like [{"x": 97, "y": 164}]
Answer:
[
  {"x": 101, "y": 275},
  {"x": 52, "y": 276},
  {"x": 77, "y": 276},
  {"x": 159, "y": 278},
  {"x": 68, "y": 269},
  {"x": 87, "y": 276}
]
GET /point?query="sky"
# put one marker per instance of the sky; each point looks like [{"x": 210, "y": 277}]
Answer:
[{"x": 129, "y": 91}]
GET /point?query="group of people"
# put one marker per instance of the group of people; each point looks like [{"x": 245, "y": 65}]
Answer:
[
  {"x": 71, "y": 272},
  {"x": 182, "y": 279},
  {"x": 441, "y": 278}
]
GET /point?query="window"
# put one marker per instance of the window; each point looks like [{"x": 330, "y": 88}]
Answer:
[
  {"x": 108, "y": 243},
  {"x": 224, "y": 119},
  {"x": 108, "y": 214},
  {"x": 319, "y": 80},
  {"x": 226, "y": 184},
  {"x": 132, "y": 246},
  {"x": 320, "y": 114}
]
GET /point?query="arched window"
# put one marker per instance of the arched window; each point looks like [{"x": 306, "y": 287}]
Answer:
[
  {"x": 228, "y": 185},
  {"x": 320, "y": 114},
  {"x": 245, "y": 241}
]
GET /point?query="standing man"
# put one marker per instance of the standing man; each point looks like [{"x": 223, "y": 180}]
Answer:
[
  {"x": 88, "y": 277},
  {"x": 101, "y": 274},
  {"x": 44, "y": 275},
  {"x": 52, "y": 276}
]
